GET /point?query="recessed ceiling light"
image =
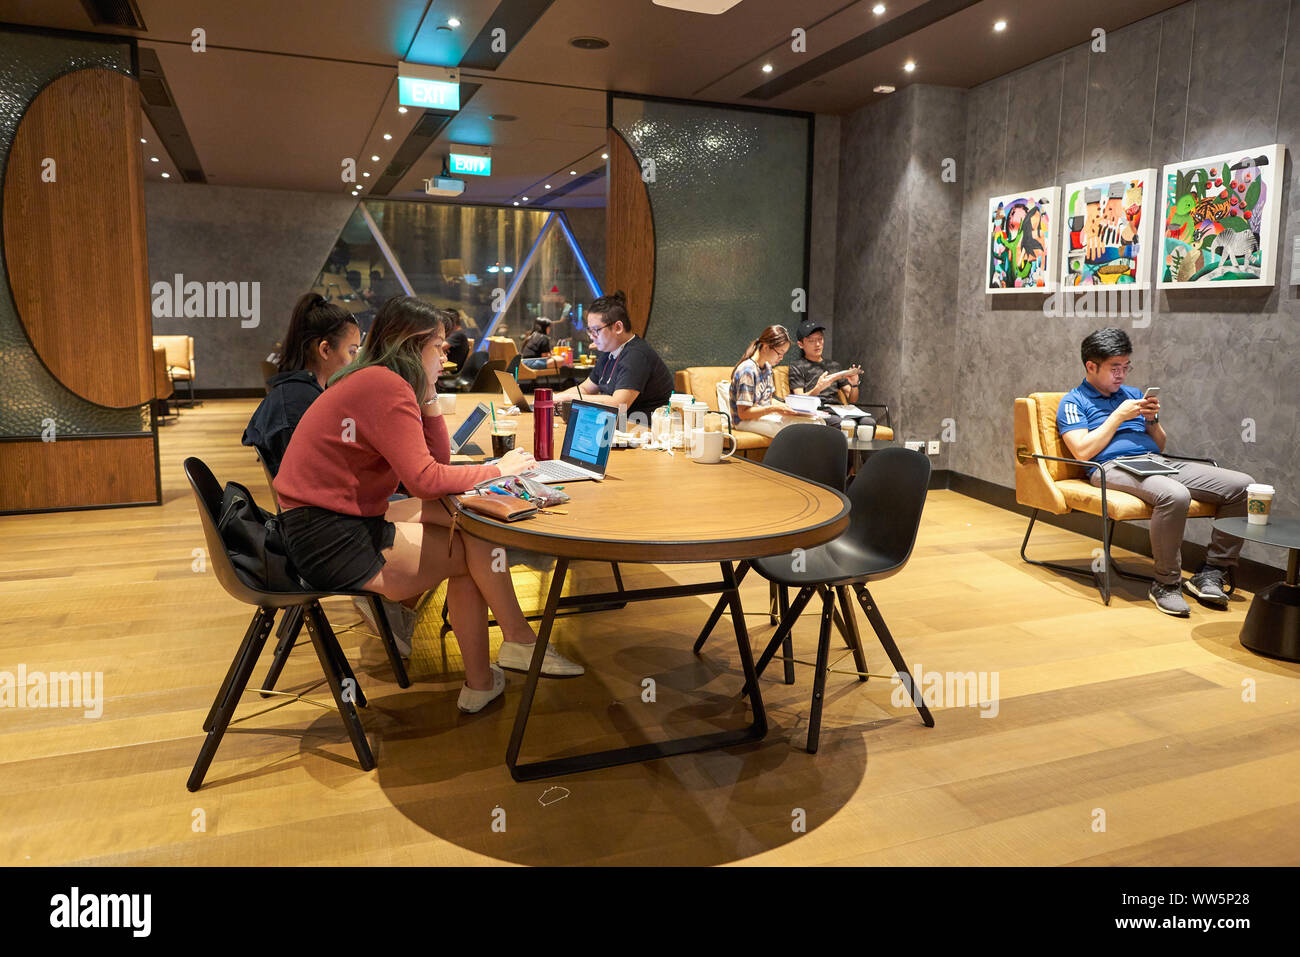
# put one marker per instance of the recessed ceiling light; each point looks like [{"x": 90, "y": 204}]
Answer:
[
  {"x": 388, "y": 136},
  {"x": 525, "y": 199},
  {"x": 401, "y": 109},
  {"x": 453, "y": 22},
  {"x": 516, "y": 202},
  {"x": 767, "y": 68},
  {"x": 374, "y": 159},
  {"x": 167, "y": 175},
  {"x": 909, "y": 66},
  {"x": 883, "y": 88},
  {"x": 604, "y": 156},
  {"x": 999, "y": 26},
  {"x": 153, "y": 159},
  {"x": 366, "y": 173},
  {"x": 548, "y": 185},
  {"x": 878, "y": 9},
  {"x": 573, "y": 172},
  {"x": 588, "y": 43},
  {"x": 143, "y": 140}
]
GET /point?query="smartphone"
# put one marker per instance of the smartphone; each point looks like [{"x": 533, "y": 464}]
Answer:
[{"x": 1152, "y": 393}]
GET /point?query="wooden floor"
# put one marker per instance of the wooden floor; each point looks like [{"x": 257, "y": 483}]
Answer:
[{"x": 1181, "y": 742}]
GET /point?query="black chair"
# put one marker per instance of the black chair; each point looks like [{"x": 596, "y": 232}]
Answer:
[
  {"x": 818, "y": 454},
  {"x": 342, "y": 681},
  {"x": 485, "y": 380},
  {"x": 886, "y": 499},
  {"x": 466, "y": 375}
]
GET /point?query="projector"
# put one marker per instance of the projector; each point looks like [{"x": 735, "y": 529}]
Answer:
[{"x": 442, "y": 186}]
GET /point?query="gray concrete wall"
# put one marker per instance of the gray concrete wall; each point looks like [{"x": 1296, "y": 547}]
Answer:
[
  {"x": 278, "y": 238},
  {"x": 1207, "y": 76}
]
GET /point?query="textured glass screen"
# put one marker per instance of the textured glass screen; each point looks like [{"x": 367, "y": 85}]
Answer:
[
  {"x": 29, "y": 394},
  {"x": 729, "y": 198}
]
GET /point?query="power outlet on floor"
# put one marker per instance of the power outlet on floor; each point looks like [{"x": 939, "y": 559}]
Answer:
[
  {"x": 915, "y": 446},
  {"x": 934, "y": 447}
]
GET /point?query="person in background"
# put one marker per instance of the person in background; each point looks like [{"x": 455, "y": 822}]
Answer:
[
  {"x": 627, "y": 371},
  {"x": 377, "y": 424},
  {"x": 537, "y": 346},
  {"x": 1101, "y": 419},
  {"x": 753, "y": 386},
  {"x": 321, "y": 340},
  {"x": 457, "y": 338},
  {"x": 811, "y": 373}
]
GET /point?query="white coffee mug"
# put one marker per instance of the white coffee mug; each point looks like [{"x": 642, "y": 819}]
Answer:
[
  {"x": 706, "y": 447},
  {"x": 866, "y": 433},
  {"x": 447, "y": 404}
]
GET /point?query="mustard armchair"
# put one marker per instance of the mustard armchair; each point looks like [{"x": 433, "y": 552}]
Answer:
[{"x": 1048, "y": 479}]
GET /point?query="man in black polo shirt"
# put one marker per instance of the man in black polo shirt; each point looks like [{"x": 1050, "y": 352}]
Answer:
[
  {"x": 627, "y": 371},
  {"x": 812, "y": 374}
]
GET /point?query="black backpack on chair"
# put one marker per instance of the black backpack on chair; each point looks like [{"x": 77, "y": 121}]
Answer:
[{"x": 255, "y": 542}]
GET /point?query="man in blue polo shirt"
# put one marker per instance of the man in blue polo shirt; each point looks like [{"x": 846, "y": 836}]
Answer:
[{"x": 1102, "y": 419}]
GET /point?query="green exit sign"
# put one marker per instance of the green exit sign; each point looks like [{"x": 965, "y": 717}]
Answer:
[
  {"x": 465, "y": 164},
  {"x": 428, "y": 94}
]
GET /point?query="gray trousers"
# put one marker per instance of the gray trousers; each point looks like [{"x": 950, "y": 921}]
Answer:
[{"x": 1170, "y": 496}]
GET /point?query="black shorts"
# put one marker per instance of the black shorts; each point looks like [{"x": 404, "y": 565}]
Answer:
[{"x": 335, "y": 552}]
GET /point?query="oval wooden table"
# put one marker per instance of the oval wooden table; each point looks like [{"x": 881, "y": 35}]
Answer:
[{"x": 659, "y": 508}]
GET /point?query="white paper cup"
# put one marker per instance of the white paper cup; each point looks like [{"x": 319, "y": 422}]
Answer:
[
  {"x": 866, "y": 433},
  {"x": 1259, "y": 502},
  {"x": 848, "y": 427},
  {"x": 447, "y": 404}
]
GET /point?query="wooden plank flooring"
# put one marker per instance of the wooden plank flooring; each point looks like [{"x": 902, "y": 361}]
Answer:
[{"x": 1117, "y": 710}]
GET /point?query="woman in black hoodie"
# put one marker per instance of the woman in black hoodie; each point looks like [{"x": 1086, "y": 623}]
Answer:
[{"x": 322, "y": 339}]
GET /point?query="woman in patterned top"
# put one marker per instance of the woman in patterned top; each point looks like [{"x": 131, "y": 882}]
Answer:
[{"x": 753, "y": 387}]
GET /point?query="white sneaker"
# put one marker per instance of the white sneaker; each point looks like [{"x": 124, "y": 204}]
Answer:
[
  {"x": 472, "y": 701},
  {"x": 517, "y": 656}
]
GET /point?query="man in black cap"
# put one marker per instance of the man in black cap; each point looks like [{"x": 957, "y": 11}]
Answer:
[{"x": 812, "y": 374}]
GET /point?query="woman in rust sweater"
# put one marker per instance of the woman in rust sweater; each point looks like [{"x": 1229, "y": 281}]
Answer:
[{"x": 363, "y": 435}]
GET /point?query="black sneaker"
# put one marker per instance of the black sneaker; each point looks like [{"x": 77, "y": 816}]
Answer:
[
  {"x": 1169, "y": 599},
  {"x": 1207, "y": 585}
]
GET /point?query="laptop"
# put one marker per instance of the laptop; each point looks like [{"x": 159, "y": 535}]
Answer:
[
  {"x": 460, "y": 442},
  {"x": 587, "y": 441},
  {"x": 515, "y": 394}
]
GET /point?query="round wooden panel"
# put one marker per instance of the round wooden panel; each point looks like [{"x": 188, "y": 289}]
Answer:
[
  {"x": 653, "y": 507},
  {"x": 74, "y": 236}
]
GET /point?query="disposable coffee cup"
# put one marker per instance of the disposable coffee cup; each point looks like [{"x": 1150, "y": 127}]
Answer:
[
  {"x": 866, "y": 432},
  {"x": 848, "y": 428},
  {"x": 447, "y": 404},
  {"x": 1259, "y": 502},
  {"x": 503, "y": 436}
]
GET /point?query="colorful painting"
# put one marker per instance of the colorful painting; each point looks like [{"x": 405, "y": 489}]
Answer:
[
  {"x": 1221, "y": 217},
  {"x": 1022, "y": 241},
  {"x": 1108, "y": 231}
]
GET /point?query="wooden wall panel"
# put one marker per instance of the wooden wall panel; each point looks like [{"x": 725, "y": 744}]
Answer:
[
  {"x": 77, "y": 473},
  {"x": 630, "y": 233},
  {"x": 75, "y": 246}
]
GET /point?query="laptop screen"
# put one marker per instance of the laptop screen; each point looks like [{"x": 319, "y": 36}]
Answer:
[
  {"x": 589, "y": 436},
  {"x": 469, "y": 426}
]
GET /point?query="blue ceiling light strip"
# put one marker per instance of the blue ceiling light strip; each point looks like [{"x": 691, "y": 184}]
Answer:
[
  {"x": 520, "y": 273},
  {"x": 582, "y": 260}
]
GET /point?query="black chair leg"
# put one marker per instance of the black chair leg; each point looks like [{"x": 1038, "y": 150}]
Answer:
[
  {"x": 290, "y": 626},
  {"x": 322, "y": 637},
  {"x": 741, "y": 571},
  {"x": 855, "y": 638},
  {"x": 823, "y": 590},
  {"x": 390, "y": 643},
  {"x": 819, "y": 678},
  {"x": 227, "y": 681},
  {"x": 1100, "y": 579},
  {"x": 773, "y": 604},
  {"x": 787, "y": 649},
  {"x": 341, "y": 663},
  {"x": 1104, "y": 577},
  {"x": 895, "y": 656},
  {"x": 228, "y": 697},
  {"x": 783, "y": 630},
  {"x": 618, "y": 576}
]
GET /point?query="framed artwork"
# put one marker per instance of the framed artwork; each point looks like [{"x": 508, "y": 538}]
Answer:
[
  {"x": 1107, "y": 231},
  {"x": 1022, "y": 241},
  {"x": 1220, "y": 219}
]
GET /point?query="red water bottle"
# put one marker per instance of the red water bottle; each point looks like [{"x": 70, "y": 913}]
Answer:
[{"x": 543, "y": 412}]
